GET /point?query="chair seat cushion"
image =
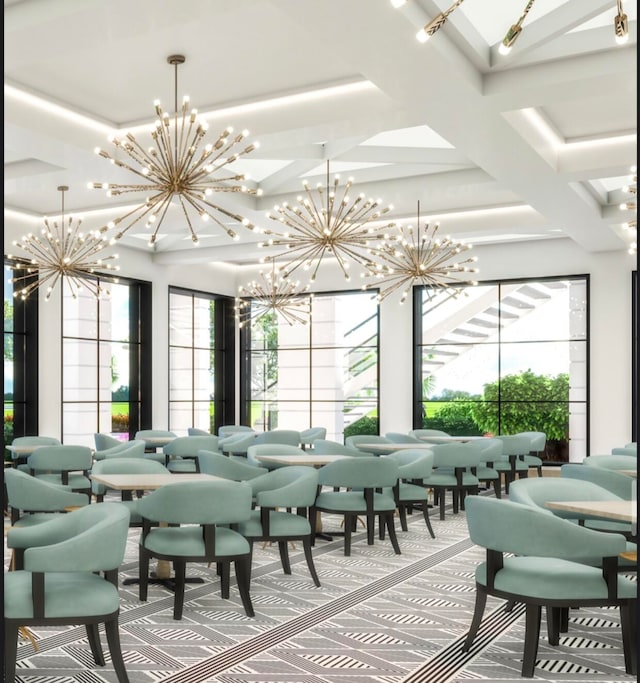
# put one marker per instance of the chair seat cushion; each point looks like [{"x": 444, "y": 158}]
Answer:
[
  {"x": 444, "y": 478},
  {"x": 181, "y": 465},
  {"x": 281, "y": 524},
  {"x": 484, "y": 473},
  {"x": 533, "y": 460},
  {"x": 608, "y": 525},
  {"x": 412, "y": 492},
  {"x": 505, "y": 466},
  {"x": 76, "y": 481},
  {"x": 68, "y": 594},
  {"x": 553, "y": 579},
  {"x": 187, "y": 541},
  {"x": 353, "y": 501},
  {"x": 33, "y": 518}
]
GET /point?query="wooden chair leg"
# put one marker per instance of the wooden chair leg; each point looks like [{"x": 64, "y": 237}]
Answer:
[
  {"x": 179, "y": 569},
  {"x": 306, "y": 544},
  {"x": 113, "y": 640},
  {"x": 531, "y": 638},
  {"x": 243, "y": 577},
  {"x": 478, "y": 612},
  {"x": 93, "y": 636}
]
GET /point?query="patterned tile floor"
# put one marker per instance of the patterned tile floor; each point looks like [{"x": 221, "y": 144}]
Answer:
[{"x": 378, "y": 617}]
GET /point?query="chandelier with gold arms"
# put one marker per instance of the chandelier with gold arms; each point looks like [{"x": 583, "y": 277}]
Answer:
[
  {"x": 417, "y": 256},
  {"x": 176, "y": 166},
  {"x": 273, "y": 293},
  {"x": 62, "y": 252},
  {"x": 328, "y": 224}
]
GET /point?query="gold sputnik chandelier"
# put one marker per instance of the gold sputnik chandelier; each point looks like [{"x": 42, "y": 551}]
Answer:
[
  {"x": 418, "y": 257},
  {"x": 329, "y": 224},
  {"x": 62, "y": 252},
  {"x": 177, "y": 167},
  {"x": 273, "y": 293}
]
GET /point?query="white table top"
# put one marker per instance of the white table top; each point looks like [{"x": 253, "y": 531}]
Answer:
[
  {"x": 618, "y": 510},
  {"x": 309, "y": 460},
  {"x": 148, "y": 482},
  {"x": 385, "y": 448},
  {"x": 629, "y": 473},
  {"x": 450, "y": 439},
  {"x": 24, "y": 450}
]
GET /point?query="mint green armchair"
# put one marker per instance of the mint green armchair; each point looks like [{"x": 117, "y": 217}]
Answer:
[
  {"x": 70, "y": 578},
  {"x": 538, "y": 559}
]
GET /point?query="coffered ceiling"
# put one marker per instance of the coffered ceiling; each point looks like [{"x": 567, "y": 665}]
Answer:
[{"x": 533, "y": 145}]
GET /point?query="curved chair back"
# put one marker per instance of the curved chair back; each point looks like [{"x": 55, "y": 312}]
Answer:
[
  {"x": 66, "y": 465},
  {"x": 619, "y": 484},
  {"x": 271, "y": 449},
  {"x": 309, "y": 436},
  {"x": 514, "y": 444},
  {"x": 399, "y": 437},
  {"x": 452, "y": 455},
  {"x": 289, "y": 437},
  {"x": 359, "y": 473},
  {"x": 625, "y": 450},
  {"x": 126, "y": 449},
  {"x": 295, "y": 486},
  {"x": 490, "y": 449},
  {"x": 413, "y": 464},
  {"x": 35, "y": 441},
  {"x": 610, "y": 462},
  {"x": 420, "y": 433},
  {"x": 537, "y": 441},
  {"x": 228, "y": 468},
  {"x": 195, "y": 431},
  {"x": 27, "y": 494},
  {"x": 104, "y": 441},
  {"x": 536, "y": 492},
  {"x": 353, "y": 441},
  {"x": 228, "y": 430},
  {"x": 237, "y": 443},
  {"x": 328, "y": 447},
  {"x": 185, "y": 448}
]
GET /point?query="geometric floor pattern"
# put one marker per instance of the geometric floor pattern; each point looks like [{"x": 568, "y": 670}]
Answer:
[{"x": 378, "y": 617}]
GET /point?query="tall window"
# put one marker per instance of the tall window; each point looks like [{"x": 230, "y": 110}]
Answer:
[
  {"x": 20, "y": 363},
  {"x": 201, "y": 360},
  {"x": 321, "y": 374},
  {"x": 506, "y": 357},
  {"x": 106, "y": 363}
]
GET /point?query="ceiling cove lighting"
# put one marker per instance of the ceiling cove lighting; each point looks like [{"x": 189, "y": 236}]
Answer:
[
  {"x": 418, "y": 257},
  {"x": 273, "y": 294},
  {"x": 329, "y": 223},
  {"x": 621, "y": 25},
  {"x": 61, "y": 252},
  {"x": 514, "y": 31},
  {"x": 436, "y": 23},
  {"x": 176, "y": 167}
]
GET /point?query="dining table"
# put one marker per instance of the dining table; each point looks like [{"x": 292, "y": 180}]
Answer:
[
  {"x": 437, "y": 439},
  {"x": 386, "y": 448},
  {"x": 149, "y": 482},
  {"x": 617, "y": 510}
]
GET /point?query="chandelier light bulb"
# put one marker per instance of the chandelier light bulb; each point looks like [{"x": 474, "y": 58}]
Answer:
[{"x": 621, "y": 25}]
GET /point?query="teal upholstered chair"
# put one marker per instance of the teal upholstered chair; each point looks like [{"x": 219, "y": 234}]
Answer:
[
  {"x": 198, "y": 514},
  {"x": 365, "y": 488},
  {"x": 414, "y": 468},
  {"x": 537, "y": 443},
  {"x": 453, "y": 463},
  {"x": 538, "y": 559},
  {"x": 235, "y": 445},
  {"x": 70, "y": 578},
  {"x": 181, "y": 455},
  {"x": 399, "y": 437},
  {"x": 511, "y": 464},
  {"x": 32, "y": 501},
  {"x": 30, "y": 442},
  {"x": 155, "y": 439},
  {"x": 355, "y": 440},
  {"x": 610, "y": 462},
  {"x": 540, "y": 491},
  {"x": 105, "y": 441},
  {"x": 289, "y": 437},
  {"x": 424, "y": 434},
  {"x": 328, "y": 447},
  {"x": 309, "y": 436},
  {"x": 276, "y": 495},
  {"x": 491, "y": 451},
  {"x": 271, "y": 449},
  {"x": 125, "y": 466},
  {"x": 66, "y": 465},
  {"x": 125, "y": 449},
  {"x": 619, "y": 484},
  {"x": 228, "y": 430},
  {"x": 196, "y": 431},
  {"x": 220, "y": 465},
  {"x": 630, "y": 448}
]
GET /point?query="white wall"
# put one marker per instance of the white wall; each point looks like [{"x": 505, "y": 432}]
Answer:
[{"x": 610, "y": 329}]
